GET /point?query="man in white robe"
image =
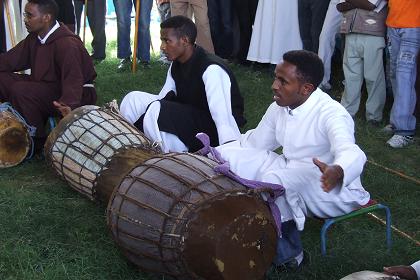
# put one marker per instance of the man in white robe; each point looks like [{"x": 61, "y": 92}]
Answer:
[{"x": 320, "y": 166}]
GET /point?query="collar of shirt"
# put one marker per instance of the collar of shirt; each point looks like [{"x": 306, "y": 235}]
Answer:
[
  {"x": 55, "y": 27},
  {"x": 306, "y": 106}
]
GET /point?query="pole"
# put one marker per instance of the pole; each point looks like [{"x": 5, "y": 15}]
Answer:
[
  {"x": 9, "y": 21},
  {"x": 84, "y": 21},
  {"x": 136, "y": 34}
]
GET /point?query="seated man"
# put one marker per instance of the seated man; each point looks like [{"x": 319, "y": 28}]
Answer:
[
  {"x": 62, "y": 71},
  {"x": 200, "y": 95},
  {"x": 320, "y": 166}
]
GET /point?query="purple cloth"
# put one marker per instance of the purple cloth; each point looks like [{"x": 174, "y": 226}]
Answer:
[{"x": 224, "y": 168}]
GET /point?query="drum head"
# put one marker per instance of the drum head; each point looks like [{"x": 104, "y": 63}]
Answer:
[
  {"x": 232, "y": 237},
  {"x": 14, "y": 140}
]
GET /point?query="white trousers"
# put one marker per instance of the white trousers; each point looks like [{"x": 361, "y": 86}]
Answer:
[
  {"x": 304, "y": 195},
  {"x": 135, "y": 104},
  {"x": 327, "y": 38}
]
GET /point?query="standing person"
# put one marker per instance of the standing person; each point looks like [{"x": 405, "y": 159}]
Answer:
[
  {"x": 200, "y": 95},
  {"x": 245, "y": 10},
  {"x": 330, "y": 29},
  {"x": 201, "y": 19},
  {"x": 221, "y": 26},
  {"x": 311, "y": 15},
  {"x": 96, "y": 11},
  {"x": 66, "y": 13},
  {"x": 403, "y": 23},
  {"x": 320, "y": 166},
  {"x": 164, "y": 8},
  {"x": 363, "y": 56},
  {"x": 275, "y": 31},
  {"x": 123, "y": 10},
  {"x": 62, "y": 71}
]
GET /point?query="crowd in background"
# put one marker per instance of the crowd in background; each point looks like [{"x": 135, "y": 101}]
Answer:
[{"x": 370, "y": 34}]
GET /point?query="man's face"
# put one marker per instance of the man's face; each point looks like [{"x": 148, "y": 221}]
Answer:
[
  {"x": 173, "y": 47},
  {"x": 35, "y": 21},
  {"x": 287, "y": 89}
]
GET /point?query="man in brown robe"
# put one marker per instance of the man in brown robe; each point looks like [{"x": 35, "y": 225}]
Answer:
[{"x": 62, "y": 71}]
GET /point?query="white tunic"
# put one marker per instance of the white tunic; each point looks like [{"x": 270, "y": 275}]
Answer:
[
  {"x": 218, "y": 93},
  {"x": 275, "y": 31},
  {"x": 319, "y": 128}
]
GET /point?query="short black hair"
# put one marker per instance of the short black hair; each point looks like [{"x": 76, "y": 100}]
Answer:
[
  {"x": 47, "y": 7},
  {"x": 183, "y": 26},
  {"x": 309, "y": 66}
]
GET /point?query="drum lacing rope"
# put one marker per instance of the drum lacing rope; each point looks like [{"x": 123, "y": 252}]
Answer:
[
  {"x": 6, "y": 106},
  {"x": 224, "y": 168}
]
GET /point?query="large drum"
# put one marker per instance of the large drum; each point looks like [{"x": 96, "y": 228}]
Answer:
[
  {"x": 173, "y": 214},
  {"x": 15, "y": 141},
  {"x": 93, "y": 148}
]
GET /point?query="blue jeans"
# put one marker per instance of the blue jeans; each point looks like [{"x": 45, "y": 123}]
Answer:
[
  {"x": 289, "y": 245},
  {"x": 403, "y": 44},
  {"x": 123, "y": 10}
]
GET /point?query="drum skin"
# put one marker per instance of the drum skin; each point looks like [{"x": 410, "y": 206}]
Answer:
[
  {"x": 93, "y": 142},
  {"x": 174, "y": 215},
  {"x": 15, "y": 141}
]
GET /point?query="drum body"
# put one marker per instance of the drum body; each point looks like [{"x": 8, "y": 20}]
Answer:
[
  {"x": 15, "y": 141},
  {"x": 173, "y": 214},
  {"x": 93, "y": 148}
]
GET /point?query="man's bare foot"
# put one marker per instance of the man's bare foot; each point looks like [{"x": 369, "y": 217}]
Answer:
[
  {"x": 403, "y": 271},
  {"x": 62, "y": 108}
]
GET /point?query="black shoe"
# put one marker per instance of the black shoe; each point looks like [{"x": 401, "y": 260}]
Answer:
[
  {"x": 125, "y": 65},
  {"x": 292, "y": 266},
  {"x": 143, "y": 64}
]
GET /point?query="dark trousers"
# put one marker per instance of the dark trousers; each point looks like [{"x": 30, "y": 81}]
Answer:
[
  {"x": 96, "y": 10},
  {"x": 311, "y": 14},
  {"x": 221, "y": 26},
  {"x": 33, "y": 100},
  {"x": 245, "y": 10}
]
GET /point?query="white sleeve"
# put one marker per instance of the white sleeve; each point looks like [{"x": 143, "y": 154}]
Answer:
[
  {"x": 340, "y": 132},
  {"x": 416, "y": 267},
  {"x": 217, "y": 85},
  {"x": 264, "y": 135},
  {"x": 169, "y": 84}
]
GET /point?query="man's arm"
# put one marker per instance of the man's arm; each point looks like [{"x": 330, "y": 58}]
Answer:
[
  {"x": 217, "y": 85},
  {"x": 17, "y": 58},
  {"x": 169, "y": 84}
]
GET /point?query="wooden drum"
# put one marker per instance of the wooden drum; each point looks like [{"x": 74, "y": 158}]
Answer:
[
  {"x": 173, "y": 214},
  {"x": 93, "y": 148},
  {"x": 15, "y": 141}
]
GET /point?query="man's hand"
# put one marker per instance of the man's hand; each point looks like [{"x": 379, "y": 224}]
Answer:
[
  {"x": 332, "y": 175},
  {"x": 62, "y": 108},
  {"x": 405, "y": 272}
]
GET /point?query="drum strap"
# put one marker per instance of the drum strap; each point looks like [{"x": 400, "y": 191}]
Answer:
[
  {"x": 6, "y": 106},
  {"x": 224, "y": 168}
]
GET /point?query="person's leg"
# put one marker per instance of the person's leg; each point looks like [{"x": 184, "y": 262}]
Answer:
[
  {"x": 213, "y": 13},
  {"x": 78, "y": 8},
  {"x": 143, "y": 40},
  {"x": 246, "y": 15},
  {"x": 134, "y": 105},
  {"x": 304, "y": 16},
  {"x": 34, "y": 101},
  {"x": 374, "y": 76},
  {"x": 96, "y": 14},
  {"x": 318, "y": 11},
  {"x": 204, "y": 40},
  {"x": 179, "y": 8},
  {"x": 353, "y": 74},
  {"x": 226, "y": 20},
  {"x": 405, "y": 44},
  {"x": 327, "y": 40},
  {"x": 164, "y": 10},
  {"x": 123, "y": 12}
]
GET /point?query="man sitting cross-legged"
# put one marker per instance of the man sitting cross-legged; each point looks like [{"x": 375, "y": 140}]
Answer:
[
  {"x": 320, "y": 166},
  {"x": 200, "y": 95},
  {"x": 62, "y": 71}
]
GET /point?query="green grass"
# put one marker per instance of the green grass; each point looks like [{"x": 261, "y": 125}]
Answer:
[{"x": 49, "y": 231}]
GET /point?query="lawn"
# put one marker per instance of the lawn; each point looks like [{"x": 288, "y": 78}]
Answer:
[{"x": 49, "y": 231}]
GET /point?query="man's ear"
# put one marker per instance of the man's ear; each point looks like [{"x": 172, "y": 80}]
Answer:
[
  {"x": 47, "y": 18},
  {"x": 307, "y": 89},
  {"x": 185, "y": 40}
]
